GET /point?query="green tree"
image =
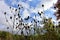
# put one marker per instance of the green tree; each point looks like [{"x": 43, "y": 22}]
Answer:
[
  {"x": 57, "y": 14},
  {"x": 49, "y": 25}
]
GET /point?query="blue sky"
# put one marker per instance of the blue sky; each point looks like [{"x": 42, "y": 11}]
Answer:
[
  {"x": 31, "y": 3},
  {"x": 31, "y": 8}
]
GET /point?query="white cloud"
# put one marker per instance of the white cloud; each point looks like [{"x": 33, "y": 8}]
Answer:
[
  {"x": 47, "y": 4},
  {"x": 26, "y": 13},
  {"x": 54, "y": 1},
  {"x": 38, "y": 18},
  {"x": 24, "y": 5},
  {"x": 5, "y": 8},
  {"x": 30, "y": 0}
]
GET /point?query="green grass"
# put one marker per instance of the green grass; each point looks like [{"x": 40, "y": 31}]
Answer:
[{"x": 50, "y": 35}]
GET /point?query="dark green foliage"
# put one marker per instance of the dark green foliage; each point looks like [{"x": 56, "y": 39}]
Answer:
[
  {"x": 50, "y": 35},
  {"x": 58, "y": 11}
]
